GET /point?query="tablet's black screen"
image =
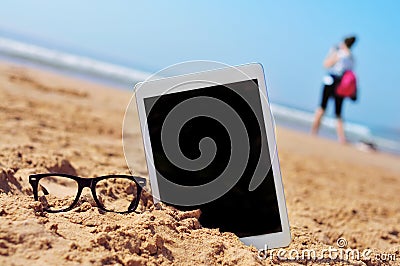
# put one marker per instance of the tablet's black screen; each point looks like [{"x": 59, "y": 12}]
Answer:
[{"x": 243, "y": 212}]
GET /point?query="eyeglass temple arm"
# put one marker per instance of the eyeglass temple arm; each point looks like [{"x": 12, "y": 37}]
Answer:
[
  {"x": 45, "y": 191},
  {"x": 33, "y": 179}
]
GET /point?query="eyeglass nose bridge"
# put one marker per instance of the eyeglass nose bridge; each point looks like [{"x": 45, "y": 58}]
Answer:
[{"x": 86, "y": 182}]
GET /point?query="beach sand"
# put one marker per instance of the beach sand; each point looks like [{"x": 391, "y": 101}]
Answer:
[{"x": 53, "y": 123}]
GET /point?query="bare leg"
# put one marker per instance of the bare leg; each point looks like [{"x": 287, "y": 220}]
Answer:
[
  {"x": 340, "y": 131},
  {"x": 317, "y": 121}
]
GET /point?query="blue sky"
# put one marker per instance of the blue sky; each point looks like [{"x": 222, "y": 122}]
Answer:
[{"x": 290, "y": 38}]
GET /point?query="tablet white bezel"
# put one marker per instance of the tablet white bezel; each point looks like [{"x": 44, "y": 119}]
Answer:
[{"x": 220, "y": 76}]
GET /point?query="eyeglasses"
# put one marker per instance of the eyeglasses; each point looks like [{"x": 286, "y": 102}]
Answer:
[{"x": 112, "y": 193}]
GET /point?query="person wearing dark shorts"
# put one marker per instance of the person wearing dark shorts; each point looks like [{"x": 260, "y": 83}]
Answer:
[
  {"x": 339, "y": 60},
  {"x": 328, "y": 93}
]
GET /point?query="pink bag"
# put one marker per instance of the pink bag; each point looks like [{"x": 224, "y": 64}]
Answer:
[{"x": 348, "y": 85}]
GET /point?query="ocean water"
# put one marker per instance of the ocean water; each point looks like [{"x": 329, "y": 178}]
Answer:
[{"x": 108, "y": 71}]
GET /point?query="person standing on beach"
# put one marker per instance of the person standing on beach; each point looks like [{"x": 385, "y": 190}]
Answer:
[{"x": 338, "y": 60}]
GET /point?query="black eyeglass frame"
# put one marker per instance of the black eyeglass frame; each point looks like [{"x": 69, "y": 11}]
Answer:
[{"x": 91, "y": 184}]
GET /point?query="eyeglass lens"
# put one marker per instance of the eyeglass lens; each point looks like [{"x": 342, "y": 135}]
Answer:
[
  {"x": 116, "y": 194},
  {"x": 57, "y": 192}
]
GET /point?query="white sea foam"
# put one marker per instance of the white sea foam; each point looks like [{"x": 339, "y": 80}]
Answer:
[
  {"x": 355, "y": 132},
  {"x": 306, "y": 118},
  {"x": 70, "y": 61}
]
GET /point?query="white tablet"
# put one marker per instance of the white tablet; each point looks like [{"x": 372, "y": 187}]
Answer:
[{"x": 210, "y": 143}]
